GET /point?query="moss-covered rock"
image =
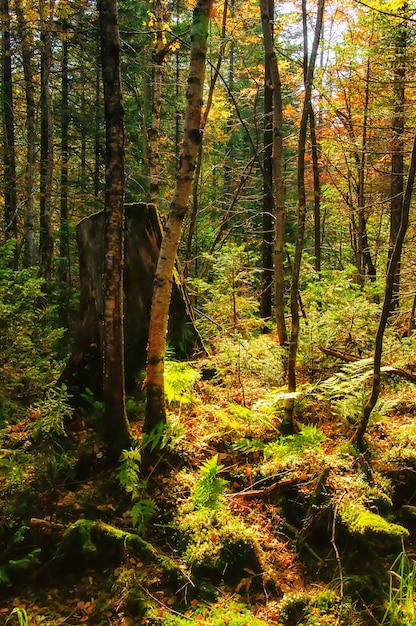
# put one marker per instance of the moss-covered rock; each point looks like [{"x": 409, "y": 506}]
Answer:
[{"x": 371, "y": 526}]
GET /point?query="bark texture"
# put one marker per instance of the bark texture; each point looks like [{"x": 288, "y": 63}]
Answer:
[
  {"x": 155, "y": 409},
  {"x": 267, "y": 11},
  {"x": 143, "y": 234},
  {"x": 116, "y": 428},
  {"x": 288, "y": 424}
]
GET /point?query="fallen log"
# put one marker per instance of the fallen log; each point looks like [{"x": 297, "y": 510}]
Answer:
[{"x": 386, "y": 369}]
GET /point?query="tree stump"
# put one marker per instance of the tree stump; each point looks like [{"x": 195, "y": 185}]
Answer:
[{"x": 143, "y": 234}]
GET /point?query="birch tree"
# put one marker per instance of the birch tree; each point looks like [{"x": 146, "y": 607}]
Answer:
[{"x": 155, "y": 408}]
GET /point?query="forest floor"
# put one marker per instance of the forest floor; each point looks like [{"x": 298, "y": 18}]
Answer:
[{"x": 233, "y": 524}]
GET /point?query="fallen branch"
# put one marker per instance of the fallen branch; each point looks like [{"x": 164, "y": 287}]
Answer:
[{"x": 386, "y": 369}]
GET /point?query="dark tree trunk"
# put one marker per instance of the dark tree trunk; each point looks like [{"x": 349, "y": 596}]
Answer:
[
  {"x": 268, "y": 201},
  {"x": 63, "y": 263},
  {"x": 116, "y": 427},
  {"x": 143, "y": 234},
  {"x": 267, "y": 11},
  {"x": 26, "y": 38},
  {"x": 153, "y": 135},
  {"x": 395, "y": 257},
  {"x": 46, "y": 239},
  {"x": 97, "y": 135},
  {"x": 316, "y": 191},
  {"x": 10, "y": 200},
  {"x": 397, "y": 148}
]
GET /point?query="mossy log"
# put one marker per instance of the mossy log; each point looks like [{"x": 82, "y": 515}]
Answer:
[
  {"x": 370, "y": 526},
  {"x": 98, "y": 542},
  {"x": 143, "y": 234},
  {"x": 16, "y": 567}
]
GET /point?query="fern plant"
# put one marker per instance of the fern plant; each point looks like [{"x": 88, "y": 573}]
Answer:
[
  {"x": 288, "y": 448},
  {"x": 50, "y": 414},
  {"x": 179, "y": 380},
  {"x": 143, "y": 508},
  {"x": 209, "y": 490}
]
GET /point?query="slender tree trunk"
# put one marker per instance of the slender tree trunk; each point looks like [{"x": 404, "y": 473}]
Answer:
[
  {"x": 316, "y": 192},
  {"x": 97, "y": 135},
  {"x": 178, "y": 112},
  {"x": 155, "y": 408},
  {"x": 366, "y": 261},
  {"x": 195, "y": 183},
  {"x": 267, "y": 9},
  {"x": 9, "y": 189},
  {"x": 46, "y": 239},
  {"x": 358, "y": 220},
  {"x": 395, "y": 257},
  {"x": 63, "y": 265},
  {"x": 27, "y": 44},
  {"x": 116, "y": 427},
  {"x": 157, "y": 83},
  {"x": 229, "y": 161},
  {"x": 288, "y": 424},
  {"x": 397, "y": 148},
  {"x": 268, "y": 199}
]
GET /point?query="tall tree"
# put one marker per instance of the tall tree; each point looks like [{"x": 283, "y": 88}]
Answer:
[
  {"x": 156, "y": 408},
  {"x": 389, "y": 292},
  {"x": 46, "y": 238},
  {"x": 27, "y": 44},
  {"x": 116, "y": 427},
  {"x": 153, "y": 134},
  {"x": 268, "y": 200},
  {"x": 10, "y": 196},
  {"x": 63, "y": 267},
  {"x": 267, "y": 12},
  {"x": 400, "y": 43},
  {"x": 288, "y": 422}
]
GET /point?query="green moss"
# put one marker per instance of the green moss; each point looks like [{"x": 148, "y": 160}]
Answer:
[
  {"x": 98, "y": 541},
  {"x": 220, "y": 614},
  {"x": 370, "y": 525},
  {"x": 315, "y": 609},
  {"x": 218, "y": 541},
  {"x": 16, "y": 567}
]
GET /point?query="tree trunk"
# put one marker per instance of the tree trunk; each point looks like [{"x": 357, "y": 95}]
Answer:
[
  {"x": 397, "y": 148},
  {"x": 27, "y": 45},
  {"x": 46, "y": 239},
  {"x": 97, "y": 135},
  {"x": 153, "y": 134},
  {"x": 63, "y": 263},
  {"x": 155, "y": 408},
  {"x": 10, "y": 199},
  {"x": 268, "y": 200},
  {"x": 116, "y": 427},
  {"x": 267, "y": 9},
  {"x": 195, "y": 184},
  {"x": 395, "y": 256},
  {"x": 143, "y": 235},
  {"x": 288, "y": 421},
  {"x": 316, "y": 192},
  {"x": 358, "y": 220}
]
